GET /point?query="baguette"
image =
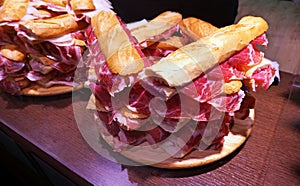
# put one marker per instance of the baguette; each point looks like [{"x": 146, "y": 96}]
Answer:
[
  {"x": 52, "y": 27},
  {"x": 12, "y": 52},
  {"x": 232, "y": 87},
  {"x": 196, "y": 28},
  {"x": 188, "y": 62},
  {"x": 82, "y": 5},
  {"x": 173, "y": 43},
  {"x": 62, "y": 3},
  {"x": 122, "y": 56},
  {"x": 13, "y": 10},
  {"x": 163, "y": 22}
]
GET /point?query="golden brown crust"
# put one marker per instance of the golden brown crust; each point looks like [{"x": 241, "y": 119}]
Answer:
[
  {"x": 156, "y": 26},
  {"x": 12, "y": 52},
  {"x": 52, "y": 27},
  {"x": 196, "y": 28},
  {"x": 62, "y": 3},
  {"x": 82, "y": 5},
  {"x": 188, "y": 62},
  {"x": 38, "y": 90},
  {"x": 13, "y": 10},
  {"x": 232, "y": 87},
  {"x": 78, "y": 42},
  {"x": 173, "y": 43},
  {"x": 45, "y": 13},
  {"x": 125, "y": 61},
  {"x": 122, "y": 57}
]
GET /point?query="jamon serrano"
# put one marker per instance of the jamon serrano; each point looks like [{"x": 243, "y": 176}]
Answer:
[
  {"x": 197, "y": 88},
  {"x": 43, "y": 42}
]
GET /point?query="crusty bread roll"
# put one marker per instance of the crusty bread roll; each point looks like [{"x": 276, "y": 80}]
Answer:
[
  {"x": 232, "y": 87},
  {"x": 82, "y": 5},
  {"x": 12, "y": 52},
  {"x": 13, "y": 10},
  {"x": 57, "y": 2},
  {"x": 156, "y": 26},
  {"x": 196, "y": 28},
  {"x": 188, "y": 62},
  {"x": 122, "y": 56},
  {"x": 173, "y": 43},
  {"x": 52, "y": 27}
]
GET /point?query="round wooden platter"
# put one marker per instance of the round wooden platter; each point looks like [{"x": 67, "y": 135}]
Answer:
[
  {"x": 36, "y": 90},
  {"x": 236, "y": 138}
]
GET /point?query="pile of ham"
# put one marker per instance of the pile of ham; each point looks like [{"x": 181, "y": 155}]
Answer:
[
  {"x": 42, "y": 42},
  {"x": 145, "y": 101}
]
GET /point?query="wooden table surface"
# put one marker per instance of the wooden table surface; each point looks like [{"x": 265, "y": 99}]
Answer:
[{"x": 48, "y": 127}]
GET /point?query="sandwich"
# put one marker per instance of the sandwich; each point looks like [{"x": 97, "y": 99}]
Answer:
[
  {"x": 42, "y": 44},
  {"x": 163, "y": 110}
]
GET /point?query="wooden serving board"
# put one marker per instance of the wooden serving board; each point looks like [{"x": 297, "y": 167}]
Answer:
[{"x": 36, "y": 90}]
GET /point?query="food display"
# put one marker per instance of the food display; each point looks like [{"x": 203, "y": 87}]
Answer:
[
  {"x": 175, "y": 84},
  {"x": 42, "y": 44},
  {"x": 168, "y": 92}
]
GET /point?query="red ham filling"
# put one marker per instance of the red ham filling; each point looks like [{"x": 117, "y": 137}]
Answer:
[
  {"x": 62, "y": 51},
  {"x": 169, "y": 110}
]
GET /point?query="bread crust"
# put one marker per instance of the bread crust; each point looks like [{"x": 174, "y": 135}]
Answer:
[
  {"x": 232, "y": 87},
  {"x": 53, "y": 27},
  {"x": 196, "y": 28},
  {"x": 62, "y": 3},
  {"x": 157, "y": 26},
  {"x": 122, "y": 57},
  {"x": 173, "y": 43},
  {"x": 12, "y": 52},
  {"x": 82, "y": 5},
  {"x": 188, "y": 62},
  {"x": 13, "y": 10}
]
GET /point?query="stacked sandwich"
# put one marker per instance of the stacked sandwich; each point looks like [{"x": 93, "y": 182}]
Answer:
[
  {"x": 174, "y": 83},
  {"x": 42, "y": 42}
]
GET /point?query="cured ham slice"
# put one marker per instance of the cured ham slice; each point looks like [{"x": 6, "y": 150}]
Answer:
[
  {"x": 138, "y": 109},
  {"x": 36, "y": 31}
]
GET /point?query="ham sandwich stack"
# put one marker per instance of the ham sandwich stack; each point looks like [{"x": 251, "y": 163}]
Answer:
[
  {"x": 42, "y": 42},
  {"x": 174, "y": 77}
]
